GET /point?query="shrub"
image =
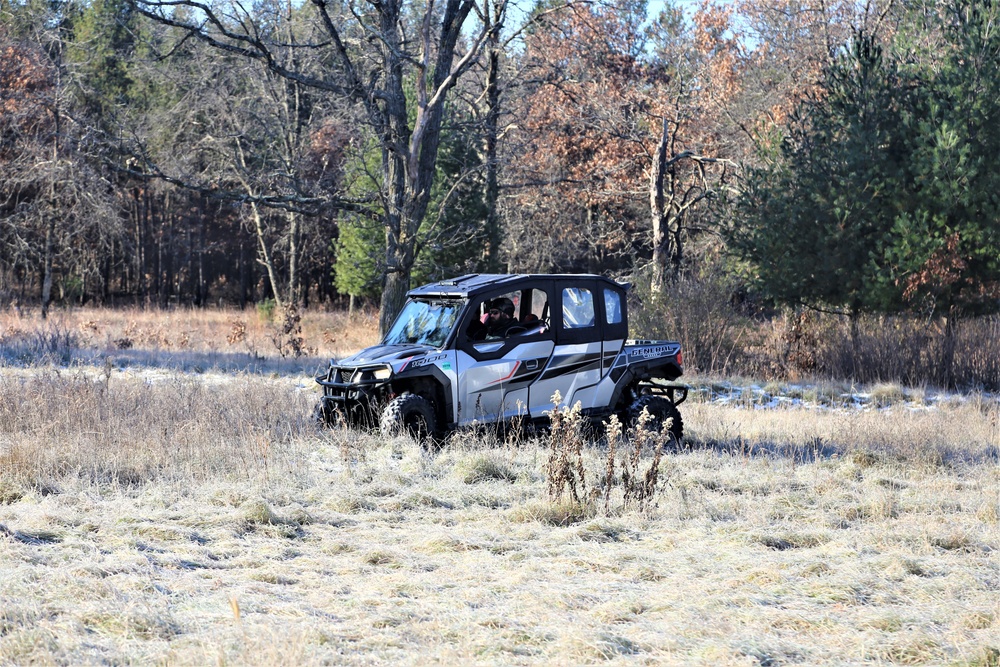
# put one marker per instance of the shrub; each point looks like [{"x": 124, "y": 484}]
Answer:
[
  {"x": 50, "y": 344},
  {"x": 266, "y": 309},
  {"x": 698, "y": 311}
]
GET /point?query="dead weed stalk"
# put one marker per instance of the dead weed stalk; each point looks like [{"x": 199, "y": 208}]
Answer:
[
  {"x": 564, "y": 469},
  {"x": 639, "y": 488},
  {"x": 623, "y": 462},
  {"x": 288, "y": 339}
]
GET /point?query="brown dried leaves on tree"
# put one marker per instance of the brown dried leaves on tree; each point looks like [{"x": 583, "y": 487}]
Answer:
[{"x": 25, "y": 82}]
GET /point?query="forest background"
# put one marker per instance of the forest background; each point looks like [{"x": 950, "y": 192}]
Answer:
[{"x": 794, "y": 186}]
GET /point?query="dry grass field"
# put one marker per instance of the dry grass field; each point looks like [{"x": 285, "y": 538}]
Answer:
[
  {"x": 187, "y": 339},
  {"x": 174, "y": 504}
]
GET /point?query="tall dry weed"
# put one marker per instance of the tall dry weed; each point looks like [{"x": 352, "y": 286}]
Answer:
[
  {"x": 639, "y": 488},
  {"x": 625, "y": 460},
  {"x": 287, "y": 337},
  {"x": 564, "y": 468}
]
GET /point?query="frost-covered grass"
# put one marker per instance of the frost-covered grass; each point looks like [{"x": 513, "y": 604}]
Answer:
[
  {"x": 165, "y": 498},
  {"x": 202, "y": 518}
]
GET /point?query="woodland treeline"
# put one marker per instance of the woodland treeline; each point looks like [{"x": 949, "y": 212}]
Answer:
[{"x": 837, "y": 155}]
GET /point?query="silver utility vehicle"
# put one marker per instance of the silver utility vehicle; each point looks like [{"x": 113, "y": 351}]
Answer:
[{"x": 495, "y": 349}]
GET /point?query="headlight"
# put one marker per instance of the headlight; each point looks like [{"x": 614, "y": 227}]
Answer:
[{"x": 383, "y": 373}]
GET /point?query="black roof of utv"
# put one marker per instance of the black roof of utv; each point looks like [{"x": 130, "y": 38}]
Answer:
[{"x": 475, "y": 283}]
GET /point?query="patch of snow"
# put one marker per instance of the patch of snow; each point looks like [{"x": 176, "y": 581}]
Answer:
[{"x": 794, "y": 396}]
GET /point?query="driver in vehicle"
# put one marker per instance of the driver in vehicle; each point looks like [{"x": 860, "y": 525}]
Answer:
[
  {"x": 497, "y": 322},
  {"x": 501, "y": 318}
]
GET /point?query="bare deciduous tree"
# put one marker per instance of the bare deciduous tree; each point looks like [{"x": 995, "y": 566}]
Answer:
[
  {"x": 374, "y": 56},
  {"x": 616, "y": 118},
  {"x": 55, "y": 209}
]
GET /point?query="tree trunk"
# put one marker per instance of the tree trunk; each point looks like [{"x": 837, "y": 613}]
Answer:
[
  {"x": 109, "y": 262},
  {"x": 396, "y": 287},
  {"x": 658, "y": 215},
  {"x": 590, "y": 223},
  {"x": 948, "y": 350},
  {"x": 189, "y": 250},
  {"x": 140, "y": 266},
  {"x": 265, "y": 255},
  {"x": 294, "y": 291},
  {"x": 202, "y": 291},
  {"x": 161, "y": 261},
  {"x": 398, "y": 261},
  {"x": 170, "y": 279},
  {"x": 492, "y": 193},
  {"x": 676, "y": 249},
  {"x": 656, "y": 211},
  {"x": 50, "y": 228},
  {"x": 244, "y": 278},
  {"x": 50, "y": 232}
]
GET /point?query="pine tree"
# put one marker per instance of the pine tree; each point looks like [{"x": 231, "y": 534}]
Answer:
[
  {"x": 818, "y": 215},
  {"x": 100, "y": 55}
]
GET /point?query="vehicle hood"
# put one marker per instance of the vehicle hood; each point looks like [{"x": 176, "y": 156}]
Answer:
[{"x": 385, "y": 354}]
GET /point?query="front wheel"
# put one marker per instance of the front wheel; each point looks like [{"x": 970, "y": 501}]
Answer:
[
  {"x": 322, "y": 414},
  {"x": 411, "y": 414},
  {"x": 340, "y": 416},
  {"x": 660, "y": 409}
]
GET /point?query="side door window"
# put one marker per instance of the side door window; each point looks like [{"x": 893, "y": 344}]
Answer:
[
  {"x": 615, "y": 324},
  {"x": 612, "y": 307},
  {"x": 577, "y": 308},
  {"x": 615, "y": 317}
]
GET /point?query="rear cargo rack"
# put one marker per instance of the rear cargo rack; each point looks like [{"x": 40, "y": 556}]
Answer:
[{"x": 676, "y": 392}]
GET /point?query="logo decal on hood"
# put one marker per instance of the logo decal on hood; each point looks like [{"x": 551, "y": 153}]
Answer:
[{"x": 424, "y": 361}]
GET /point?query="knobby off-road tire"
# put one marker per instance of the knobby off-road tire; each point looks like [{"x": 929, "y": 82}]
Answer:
[
  {"x": 322, "y": 415},
  {"x": 410, "y": 414},
  {"x": 660, "y": 409}
]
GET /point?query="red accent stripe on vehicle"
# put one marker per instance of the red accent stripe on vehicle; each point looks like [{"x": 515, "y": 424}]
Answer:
[{"x": 509, "y": 375}]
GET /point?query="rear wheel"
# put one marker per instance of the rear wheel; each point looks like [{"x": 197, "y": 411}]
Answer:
[
  {"x": 660, "y": 409},
  {"x": 410, "y": 414}
]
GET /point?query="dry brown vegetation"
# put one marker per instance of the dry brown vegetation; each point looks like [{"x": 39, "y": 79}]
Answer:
[
  {"x": 201, "y": 517},
  {"x": 262, "y": 339},
  {"x": 724, "y": 336}
]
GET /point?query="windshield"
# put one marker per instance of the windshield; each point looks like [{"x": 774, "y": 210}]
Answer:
[{"x": 425, "y": 322}]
